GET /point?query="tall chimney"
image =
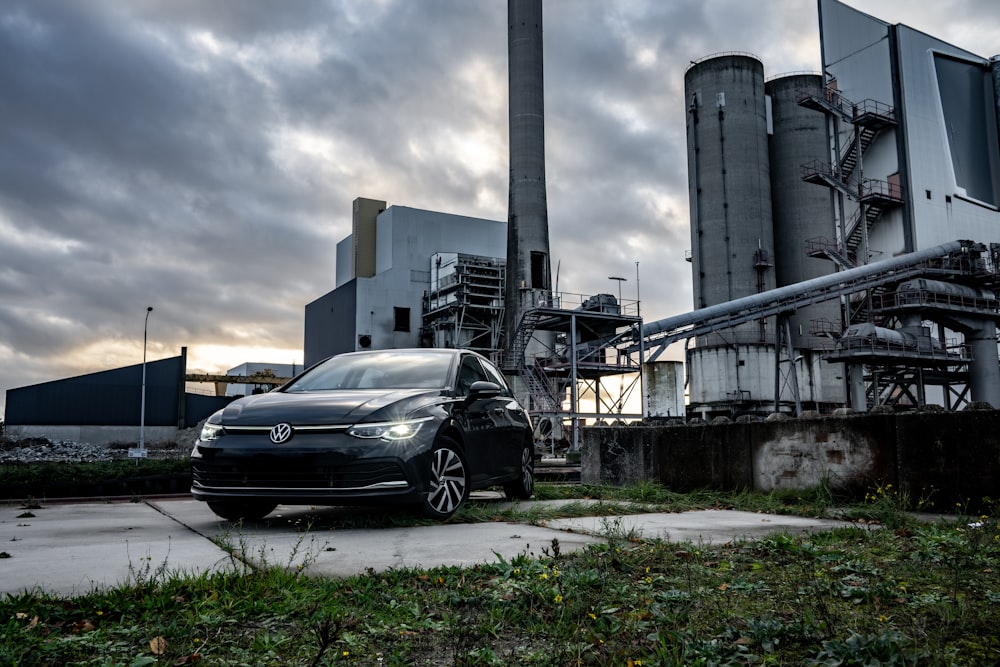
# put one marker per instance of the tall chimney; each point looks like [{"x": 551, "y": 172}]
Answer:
[{"x": 528, "y": 266}]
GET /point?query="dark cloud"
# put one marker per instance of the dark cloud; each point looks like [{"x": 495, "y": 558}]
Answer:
[{"x": 201, "y": 157}]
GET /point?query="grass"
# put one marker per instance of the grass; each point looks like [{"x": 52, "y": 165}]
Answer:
[{"x": 913, "y": 594}]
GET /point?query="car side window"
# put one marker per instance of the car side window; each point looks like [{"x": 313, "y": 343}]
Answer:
[
  {"x": 470, "y": 372},
  {"x": 496, "y": 376}
]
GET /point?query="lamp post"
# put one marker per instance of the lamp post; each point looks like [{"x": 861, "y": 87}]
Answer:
[
  {"x": 140, "y": 453},
  {"x": 637, "y": 300}
]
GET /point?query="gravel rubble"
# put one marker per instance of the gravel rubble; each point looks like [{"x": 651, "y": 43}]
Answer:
[{"x": 41, "y": 450}]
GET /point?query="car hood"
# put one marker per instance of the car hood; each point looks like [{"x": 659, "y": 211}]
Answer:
[{"x": 323, "y": 407}]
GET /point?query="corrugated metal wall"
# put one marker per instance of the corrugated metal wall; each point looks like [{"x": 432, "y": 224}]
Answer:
[{"x": 112, "y": 398}]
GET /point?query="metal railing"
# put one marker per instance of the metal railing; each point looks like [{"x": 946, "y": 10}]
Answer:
[
  {"x": 864, "y": 190},
  {"x": 924, "y": 297}
]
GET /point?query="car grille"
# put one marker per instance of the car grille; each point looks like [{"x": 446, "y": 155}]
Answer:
[{"x": 296, "y": 475}]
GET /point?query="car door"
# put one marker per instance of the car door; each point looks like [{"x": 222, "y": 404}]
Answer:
[
  {"x": 478, "y": 418},
  {"x": 512, "y": 422}
]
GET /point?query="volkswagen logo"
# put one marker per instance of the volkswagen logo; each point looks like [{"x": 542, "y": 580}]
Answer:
[{"x": 281, "y": 433}]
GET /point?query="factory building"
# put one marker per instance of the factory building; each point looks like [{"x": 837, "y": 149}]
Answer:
[
  {"x": 387, "y": 271},
  {"x": 892, "y": 149},
  {"x": 105, "y": 407}
]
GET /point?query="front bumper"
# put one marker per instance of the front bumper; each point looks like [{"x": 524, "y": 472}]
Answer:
[{"x": 316, "y": 470}]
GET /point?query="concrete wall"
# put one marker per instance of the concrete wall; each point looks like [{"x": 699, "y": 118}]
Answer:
[{"x": 950, "y": 457}]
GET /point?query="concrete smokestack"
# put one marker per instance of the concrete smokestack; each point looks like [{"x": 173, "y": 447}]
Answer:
[{"x": 528, "y": 265}]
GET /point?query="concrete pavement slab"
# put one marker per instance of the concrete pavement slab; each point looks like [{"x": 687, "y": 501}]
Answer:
[
  {"x": 704, "y": 526},
  {"x": 72, "y": 549},
  {"x": 302, "y": 536}
]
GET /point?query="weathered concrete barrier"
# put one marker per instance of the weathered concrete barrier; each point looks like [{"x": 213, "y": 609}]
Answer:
[{"x": 950, "y": 457}]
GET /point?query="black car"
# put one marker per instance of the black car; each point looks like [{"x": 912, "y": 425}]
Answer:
[{"x": 422, "y": 426}]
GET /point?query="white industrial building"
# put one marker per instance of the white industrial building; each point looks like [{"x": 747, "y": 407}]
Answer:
[
  {"x": 258, "y": 369},
  {"x": 384, "y": 273},
  {"x": 940, "y": 156}
]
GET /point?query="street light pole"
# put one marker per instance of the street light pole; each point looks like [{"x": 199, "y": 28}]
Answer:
[
  {"x": 140, "y": 453},
  {"x": 637, "y": 300}
]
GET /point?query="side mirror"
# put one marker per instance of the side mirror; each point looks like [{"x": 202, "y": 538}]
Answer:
[{"x": 483, "y": 389}]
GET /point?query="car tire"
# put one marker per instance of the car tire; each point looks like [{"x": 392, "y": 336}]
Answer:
[
  {"x": 448, "y": 482},
  {"x": 522, "y": 487},
  {"x": 241, "y": 510}
]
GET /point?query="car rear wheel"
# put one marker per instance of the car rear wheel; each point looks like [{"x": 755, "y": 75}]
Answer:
[
  {"x": 242, "y": 510},
  {"x": 448, "y": 486},
  {"x": 522, "y": 487}
]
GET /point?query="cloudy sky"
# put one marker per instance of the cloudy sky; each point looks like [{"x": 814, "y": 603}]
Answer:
[{"x": 202, "y": 157}]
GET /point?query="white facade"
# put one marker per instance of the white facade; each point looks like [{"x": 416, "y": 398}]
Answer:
[
  {"x": 406, "y": 238},
  {"x": 944, "y": 150},
  {"x": 344, "y": 265},
  {"x": 386, "y": 308}
]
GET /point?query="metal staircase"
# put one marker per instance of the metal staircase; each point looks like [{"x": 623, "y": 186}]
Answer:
[
  {"x": 859, "y": 308},
  {"x": 867, "y": 113},
  {"x": 855, "y": 232},
  {"x": 538, "y": 388},
  {"x": 870, "y": 191},
  {"x": 823, "y": 247},
  {"x": 513, "y": 358},
  {"x": 849, "y": 159},
  {"x": 535, "y": 381},
  {"x": 868, "y": 117}
]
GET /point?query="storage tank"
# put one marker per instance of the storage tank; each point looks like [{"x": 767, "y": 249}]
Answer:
[
  {"x": 801, "y": 211},
  {"x": 730, "y": 189},
  {"x": 663, "y": 385}
]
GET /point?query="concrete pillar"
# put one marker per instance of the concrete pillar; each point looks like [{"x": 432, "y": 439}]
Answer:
[{"x": 856, "y": 382}]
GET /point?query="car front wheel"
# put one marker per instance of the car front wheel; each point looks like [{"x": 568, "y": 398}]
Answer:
[
  {"x": 448, "y": 486},
  {"x": 241, "y": 510},
  {"x": 522, "y": 487}
]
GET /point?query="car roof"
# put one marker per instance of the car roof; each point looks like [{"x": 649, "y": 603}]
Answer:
[{"x": 410, "y": 350}]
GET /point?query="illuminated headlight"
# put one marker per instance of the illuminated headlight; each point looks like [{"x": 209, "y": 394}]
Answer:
[
  {"x": 211, "y": 432},
  {"x": 388, "y": 430}
]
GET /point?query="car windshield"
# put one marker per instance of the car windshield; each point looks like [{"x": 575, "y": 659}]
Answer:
[{"x": 377, "y": 370}]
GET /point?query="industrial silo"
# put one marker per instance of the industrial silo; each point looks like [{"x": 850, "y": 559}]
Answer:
[
  {"x": 802, "y": 212},
  {"x": 803, "y": 225},
  {"x": 729, "y": 182},
  {"x": 732, "y": 240}
]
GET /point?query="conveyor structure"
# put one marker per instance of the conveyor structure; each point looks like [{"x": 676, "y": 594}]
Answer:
[
  {"x": 951, "y": 258},
  {"x": 957, "y": 260}
]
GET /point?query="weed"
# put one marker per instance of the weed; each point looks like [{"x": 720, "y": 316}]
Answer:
[
  {"x": 888, "y": 648},
  {"x": 891, "y": 507},
  {"x": 923, "y": 594}
]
